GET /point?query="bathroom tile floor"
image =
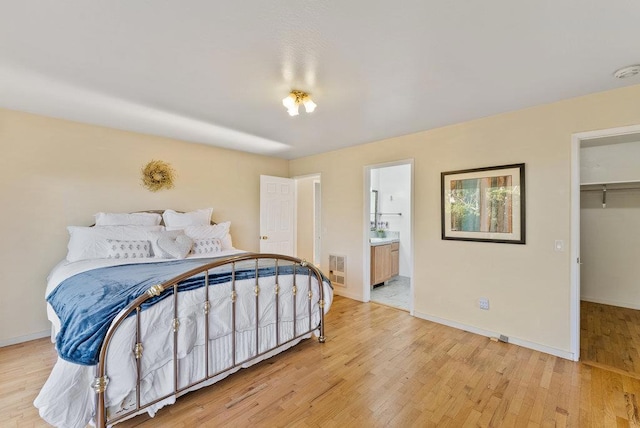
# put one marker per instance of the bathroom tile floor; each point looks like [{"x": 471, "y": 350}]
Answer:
[{"x": 394, "y": 293}]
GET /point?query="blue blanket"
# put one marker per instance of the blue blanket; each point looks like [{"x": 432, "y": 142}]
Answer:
[{"x": 88, "y": 302}]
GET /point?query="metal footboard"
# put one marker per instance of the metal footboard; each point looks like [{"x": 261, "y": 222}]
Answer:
[{"x": 298, "y": 266}]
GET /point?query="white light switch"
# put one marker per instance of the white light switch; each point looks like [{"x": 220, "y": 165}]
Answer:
[{"x": 559, "y": 245}]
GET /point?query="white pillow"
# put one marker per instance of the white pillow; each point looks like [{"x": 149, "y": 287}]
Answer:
[
  {"x": 123, "y": 219},
  {"x": 157, "y": 252},
  {"x": 175, "y": 248},
  {"x": 172, "y": 244},
  {"x": 206, "y": 246},
  {"x": 91, "y": 242},
  {"x": 175, "y": 220},
  {"x": 219, "y": 231},
  {"x": 126, "y": 250}
]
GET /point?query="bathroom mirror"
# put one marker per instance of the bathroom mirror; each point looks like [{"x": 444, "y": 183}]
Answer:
[{"x": 374, "y": 209}]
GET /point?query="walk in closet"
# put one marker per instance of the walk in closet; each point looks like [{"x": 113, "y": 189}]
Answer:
[{"x": 610, "y": 252}]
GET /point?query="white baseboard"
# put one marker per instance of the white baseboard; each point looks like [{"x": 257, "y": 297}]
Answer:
[
  {"x": 610, "y": 302},
  {"x": 513, "y": 340},
  {"x": 342, "y": 291},
  {"x": 26, "y": 338}
]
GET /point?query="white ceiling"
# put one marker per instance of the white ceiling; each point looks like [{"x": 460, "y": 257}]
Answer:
[{"x": 215, "y": 72}]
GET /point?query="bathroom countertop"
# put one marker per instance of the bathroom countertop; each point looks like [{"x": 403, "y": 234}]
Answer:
[{"x": 382, "y": 241}]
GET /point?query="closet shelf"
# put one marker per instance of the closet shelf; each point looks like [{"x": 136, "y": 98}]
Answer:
[
  {"x": 611, "y": 183},
  {"x": 610, "y": 187},
  {"x": 618, "y": 186}
]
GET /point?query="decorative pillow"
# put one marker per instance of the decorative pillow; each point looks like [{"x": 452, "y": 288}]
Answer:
[
  {"x": 175, "y": 220},
  {"x": 124, "y": 219},
  {"x": 219, "y": 231},
  {"x": 206, "y": 246},
  {"x": 173, "y": 246},
  {"x": 91, "y": 242},
  {"x": 155, "y": 236},
  {"x": 128, "y": 249}
]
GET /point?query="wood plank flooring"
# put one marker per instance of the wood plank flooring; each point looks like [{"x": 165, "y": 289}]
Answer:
[
  {"x": 379, "y": 367},
  {"x": 610, "y": 337}
]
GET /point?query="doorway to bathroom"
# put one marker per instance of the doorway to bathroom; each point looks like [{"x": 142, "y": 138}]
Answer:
[{"x": 388, "y": 247}]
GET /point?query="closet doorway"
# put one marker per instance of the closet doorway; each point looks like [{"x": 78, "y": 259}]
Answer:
[
  {"x": 388, "y": 249},
  {"x": 609, "y": 250}
]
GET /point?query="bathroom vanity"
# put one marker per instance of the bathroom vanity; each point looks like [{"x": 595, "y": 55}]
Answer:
[{"x": 385, "y": 259}]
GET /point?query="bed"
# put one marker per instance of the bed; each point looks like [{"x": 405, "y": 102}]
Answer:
[{"x": 135, "y": 327}]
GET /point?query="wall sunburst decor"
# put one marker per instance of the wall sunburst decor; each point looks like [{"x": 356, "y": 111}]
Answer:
[{"x": 158, "y": 175}]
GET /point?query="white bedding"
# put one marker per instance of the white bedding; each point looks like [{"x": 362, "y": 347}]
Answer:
[
  {"x": 66, "y": 269},
  {"x": 67, "y": 400}
]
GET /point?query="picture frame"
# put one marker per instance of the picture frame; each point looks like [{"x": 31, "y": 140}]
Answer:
[{"x": 484, "y": 204}]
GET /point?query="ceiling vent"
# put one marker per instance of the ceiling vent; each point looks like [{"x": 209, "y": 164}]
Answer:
[{"x": 626, "y": 72}]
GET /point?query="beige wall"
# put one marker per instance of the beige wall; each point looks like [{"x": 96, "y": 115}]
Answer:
[
  {"x": 528, "y": 285},
  {"x": 55, "y": 173}
]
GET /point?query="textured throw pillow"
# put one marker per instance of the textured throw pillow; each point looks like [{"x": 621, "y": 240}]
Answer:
[
  {"x": 175, "y": 220},
  {"x": 177, "y": 247},
  {"x": 125, "y": 250},
  {"x": 206, "y": 246},
  {"x": 165, "y": 235},
  {"x": 219, "y": 231},
  {"x": 157, "y": 252}
]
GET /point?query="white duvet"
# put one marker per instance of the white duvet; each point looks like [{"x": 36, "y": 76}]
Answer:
[{"x": 67, "y": 400}]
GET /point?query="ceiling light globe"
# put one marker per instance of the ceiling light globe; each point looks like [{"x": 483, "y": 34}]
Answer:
[
  {"x": 289, "y": 101},
  {"x": 309, "y": 105},
  {"x": 293, "y": 111}
]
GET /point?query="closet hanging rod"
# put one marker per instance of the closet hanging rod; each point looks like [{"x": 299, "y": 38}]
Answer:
[{"x": 604, "y": 189}]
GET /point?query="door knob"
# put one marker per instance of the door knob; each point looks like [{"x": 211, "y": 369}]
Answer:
[{"x": 264, "y": 237}]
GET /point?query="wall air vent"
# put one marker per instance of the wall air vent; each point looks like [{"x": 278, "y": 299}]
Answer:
[{"x": 338, "y": 270}]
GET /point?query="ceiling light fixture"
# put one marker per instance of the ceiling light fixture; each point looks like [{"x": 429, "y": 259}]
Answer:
[
  {"x": 629, "y": 71},
  {"x": 294, "y": 99}
]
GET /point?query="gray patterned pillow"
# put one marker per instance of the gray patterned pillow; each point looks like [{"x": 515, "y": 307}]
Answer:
[
  {"x": 125, "y": 250},
  {"x": 206, "y": 246}
]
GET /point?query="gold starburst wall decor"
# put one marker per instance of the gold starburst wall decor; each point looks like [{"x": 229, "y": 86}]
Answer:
[{"x": 158, "y": 175}]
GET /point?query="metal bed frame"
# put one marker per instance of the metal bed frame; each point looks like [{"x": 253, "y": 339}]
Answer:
[{"x": 299, "y": 267}]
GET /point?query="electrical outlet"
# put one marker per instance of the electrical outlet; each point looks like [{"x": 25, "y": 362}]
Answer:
[{"x": 483, "y": 303}]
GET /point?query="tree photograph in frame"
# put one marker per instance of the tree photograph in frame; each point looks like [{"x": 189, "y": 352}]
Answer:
[{"x": 484, "y": 204}]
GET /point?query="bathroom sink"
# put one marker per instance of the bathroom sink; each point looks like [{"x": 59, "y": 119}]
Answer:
[{"x": 382, "y": 240}]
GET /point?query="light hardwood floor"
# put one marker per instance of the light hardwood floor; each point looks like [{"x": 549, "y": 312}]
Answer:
[
  {"x": 610, "y": 337},
  {"x": 379, "y": 367}
]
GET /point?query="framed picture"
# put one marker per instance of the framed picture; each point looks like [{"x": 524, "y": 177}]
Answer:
[{"x": 484, "y": 204}]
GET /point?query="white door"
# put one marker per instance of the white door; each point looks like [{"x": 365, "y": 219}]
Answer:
[{"x": 277, "y": 208}]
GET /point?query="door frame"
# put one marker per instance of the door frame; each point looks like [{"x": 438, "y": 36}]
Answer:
[
  {"x": 317, "y": 221},
  {"x": 366, "y": 217},
  {"x": 317, "y": 211},
  {"x": 576, "y": 142}
]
